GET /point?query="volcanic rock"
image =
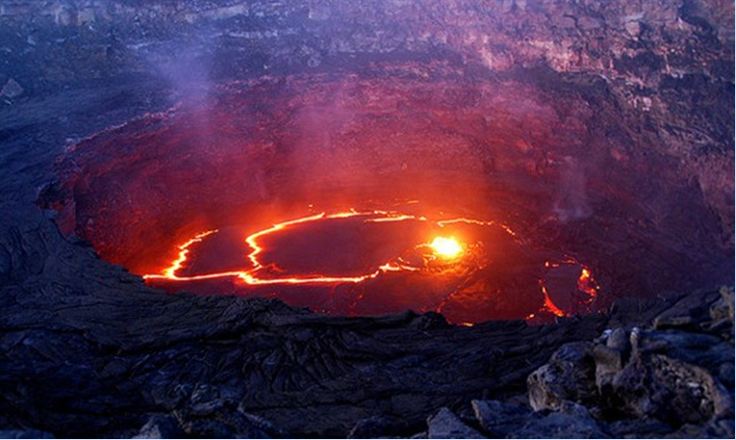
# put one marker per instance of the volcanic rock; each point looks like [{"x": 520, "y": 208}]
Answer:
[
  {"x": 722, "y": 309},
  {"x": 570, "y": 421},
  {"x": 638, "y": 428},
  {"x": 378, "y": 427},
  {"x": 11, "y": 89},
  {"x": 670, "y": 375},
  {"x": 661, "y": 368},
  {"x": 500, "y": 419},
  {"x": 445, "y": 424},
  {"x": 569, "y": 376},
  {"x": 606, "y": 128},
  {"x": 160, "y": 427}
]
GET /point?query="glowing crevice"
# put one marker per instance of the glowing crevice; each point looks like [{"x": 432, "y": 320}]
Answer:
[
  {"x": 250, "y": 276},
  {"x": 446, "y": 248}
]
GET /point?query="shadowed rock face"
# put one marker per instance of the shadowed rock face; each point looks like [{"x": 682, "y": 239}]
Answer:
[
  {"x": 666, "y": 63},
  {"x": 604, "y": 130}
]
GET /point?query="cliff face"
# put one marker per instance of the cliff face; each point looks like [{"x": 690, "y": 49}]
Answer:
[
  {"x": 669, "y": 65},
  {"x": 604, "y": 126}
]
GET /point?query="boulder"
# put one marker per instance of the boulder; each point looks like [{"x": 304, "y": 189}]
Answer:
[
  {"x": 445, "y": 424},
  {"x": 499, "y": 418},
  {"x": 670, "y": 390},
  {"x": 671, "y": 375},
  {"x": 569, "y": 375}
]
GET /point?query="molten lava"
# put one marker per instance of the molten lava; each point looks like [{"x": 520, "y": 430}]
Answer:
[
  {"x": 445, "y": 247},
  {"x": 393, "y": 270},
  {"x": 587, "y": 284}
]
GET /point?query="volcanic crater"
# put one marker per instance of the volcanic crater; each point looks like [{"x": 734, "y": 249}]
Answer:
[
  {"x": 319, "y": 189},
  {"x": 374, "y": 219}
]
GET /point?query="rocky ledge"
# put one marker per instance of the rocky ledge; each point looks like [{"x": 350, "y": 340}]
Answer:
[{"x": 673, "y": 379}]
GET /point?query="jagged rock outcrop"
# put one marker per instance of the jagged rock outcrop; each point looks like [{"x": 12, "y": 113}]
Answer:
[
  {"x": 678, "y": 372},
  {"x": 632, "y": 382}
]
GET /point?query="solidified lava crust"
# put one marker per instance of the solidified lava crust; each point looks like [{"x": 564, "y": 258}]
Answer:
[{"x": 378, "y": 262}]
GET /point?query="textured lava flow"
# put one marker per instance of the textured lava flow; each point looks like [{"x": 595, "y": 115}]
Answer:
[{"x": 370, "y": 262}]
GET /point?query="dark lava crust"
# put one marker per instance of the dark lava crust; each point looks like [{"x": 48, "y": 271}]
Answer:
[{"x": 87, "y": 349}]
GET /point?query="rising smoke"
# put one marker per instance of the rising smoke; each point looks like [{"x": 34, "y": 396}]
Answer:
[{"x": 572, "y": 199}]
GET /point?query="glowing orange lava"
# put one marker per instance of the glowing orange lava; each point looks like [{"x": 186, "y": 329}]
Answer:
[
  {"x": 549, "y": 305},
  {"x": 446, "y": 248},
  {"x": 170, "y": 272},
  {"x": 587, "y": 284}
]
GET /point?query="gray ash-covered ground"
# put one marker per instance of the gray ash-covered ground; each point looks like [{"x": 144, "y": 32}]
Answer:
[{"x": 602, "y": 130}]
